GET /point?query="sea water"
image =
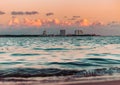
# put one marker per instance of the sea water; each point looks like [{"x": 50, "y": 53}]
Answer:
[{"x": 56, "y": 56}]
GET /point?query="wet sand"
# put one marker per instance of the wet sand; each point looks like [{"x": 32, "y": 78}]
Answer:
[
  {"x": 97, "y": 83},
  {"x": 77, "y": 83},
  {"x": 104, "y": 80}
]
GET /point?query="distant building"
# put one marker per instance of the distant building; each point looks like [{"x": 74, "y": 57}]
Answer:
[
  {"x": 62, "y": 32},
  {"x": 78, "y": 32},
  {"x": 44, "y": 32}
]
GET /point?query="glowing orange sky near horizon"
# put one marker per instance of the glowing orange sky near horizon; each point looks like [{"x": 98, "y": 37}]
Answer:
[{"x": 93, "y": 10}]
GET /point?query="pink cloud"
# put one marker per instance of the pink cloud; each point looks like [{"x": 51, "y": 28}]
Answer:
[
  {"x": 97, "y": 23},
  {"x": 14, "y": 21},
  {"x": 29, "y": 22}
]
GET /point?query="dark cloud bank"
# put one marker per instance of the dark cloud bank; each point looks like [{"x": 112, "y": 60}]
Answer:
[
  {"x": 2, "y": 13},
  {"x": 49, "y": 14},
  {"x": 24, "y": 13}
]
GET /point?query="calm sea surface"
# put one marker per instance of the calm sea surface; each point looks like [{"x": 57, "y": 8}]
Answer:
[{"x": 34, "y": 56}]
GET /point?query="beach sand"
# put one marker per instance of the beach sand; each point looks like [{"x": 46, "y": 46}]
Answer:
[
  {"x": 102, "y": 80},
  {"x": 97, "y": 83},
  {"x": 77, "y": 83}
]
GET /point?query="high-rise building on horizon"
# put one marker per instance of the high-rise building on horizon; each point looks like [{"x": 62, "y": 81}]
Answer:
[
  {"x": 62, "y": 32},
  {"x": 78, "y": 32},
  {"x": 44, "y": 32}
]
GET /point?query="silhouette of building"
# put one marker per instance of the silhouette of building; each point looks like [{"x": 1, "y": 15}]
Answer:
[
  {"x": 44, "y": 32},
  {"x": 62, "y": 32},
  {"x": 78, "y": 32}
]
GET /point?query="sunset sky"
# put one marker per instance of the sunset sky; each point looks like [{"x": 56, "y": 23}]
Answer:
[{"x": 33, "y": 16}]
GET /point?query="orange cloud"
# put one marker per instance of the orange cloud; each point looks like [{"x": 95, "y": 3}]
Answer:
[
  {"x": 84, "y": 22},
  {"x": 30, "y": 22},
  {"x": 27, "y": 21},
  {"x": 37, "y": 22},
  {"x": 56, "y": 21},
  {"x": 66, "y": 23},
  {"x": 49, "y": 22},
  {"x": 97, "y": 23},
  {"x": 14, "y": 21}
]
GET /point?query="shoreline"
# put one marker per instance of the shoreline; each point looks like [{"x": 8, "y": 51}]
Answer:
[
  {"x": 117, "y": 82},
  {"x": 69, "y": 80}
]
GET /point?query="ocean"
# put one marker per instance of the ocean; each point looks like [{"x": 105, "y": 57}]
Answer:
[{"x": 59, "y": 56}]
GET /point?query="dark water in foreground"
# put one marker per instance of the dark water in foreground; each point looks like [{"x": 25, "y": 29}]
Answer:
[{"x": 59, "y": 56}]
